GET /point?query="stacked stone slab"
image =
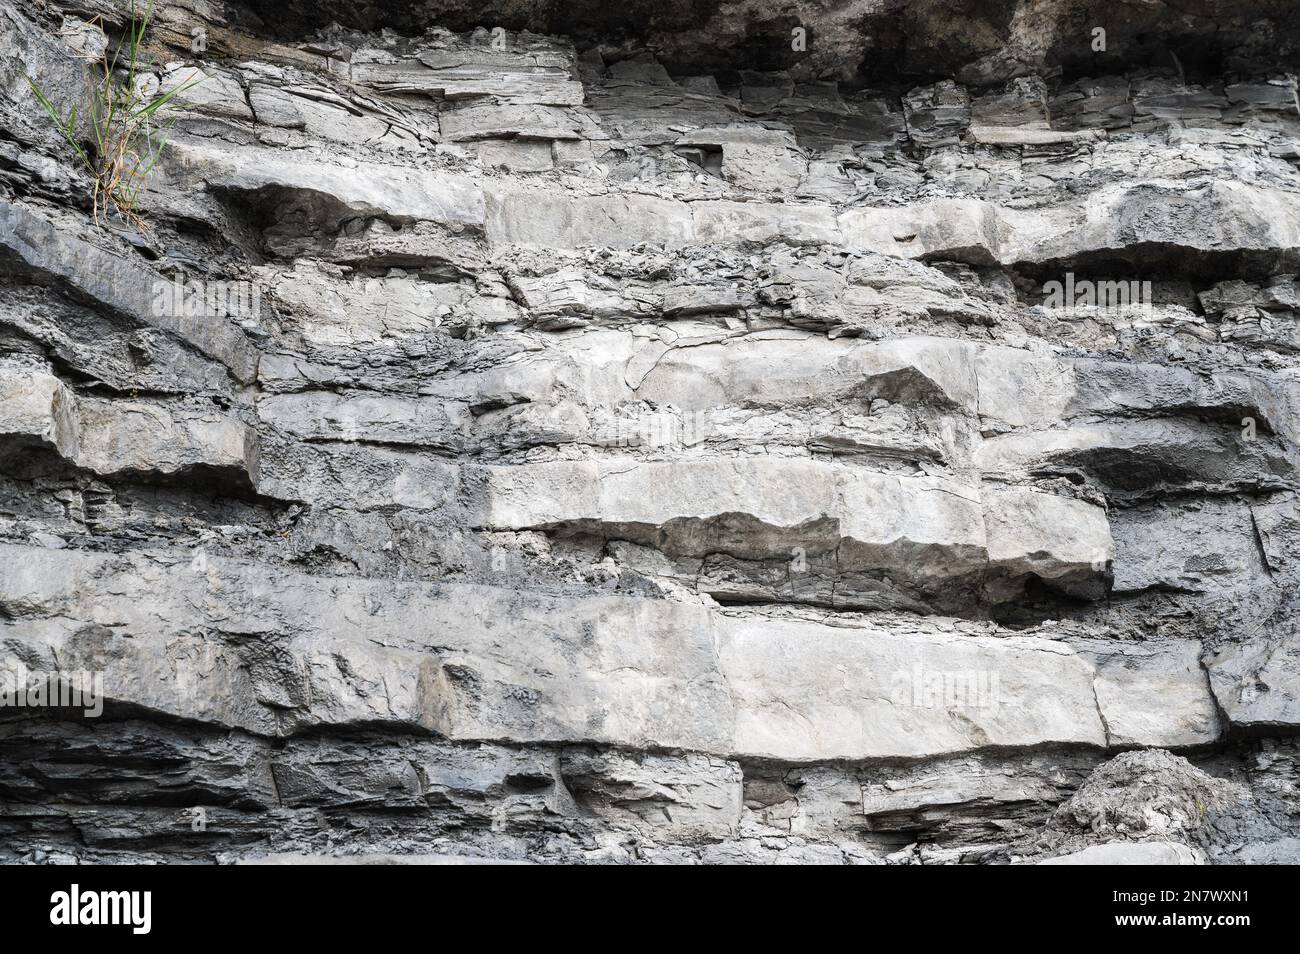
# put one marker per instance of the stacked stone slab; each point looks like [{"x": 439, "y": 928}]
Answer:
[{"x": 665, "y": 459}]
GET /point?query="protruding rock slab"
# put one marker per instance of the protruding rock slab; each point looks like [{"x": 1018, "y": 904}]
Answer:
[
  {"x": 275, "y": 652},
  {"x": 923, "y": 529},
  {"x": 1257, "y": 681},
  {"x": 41, "y": 247},
  {"x": 1131, "y": 853},
  {"x": 789, "y": 369},
  {"x": 815, "y": 692},
  {"x": 1061, "y": 541},
  {"x": 116, "y": 436},
  {"x": 1152, "y": 693},
  {"x": 395, "y": 192},
  {"x": 1216, "y": 216}
]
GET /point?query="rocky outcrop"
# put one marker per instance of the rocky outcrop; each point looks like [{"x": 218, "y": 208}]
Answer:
[
  {"x": 724, "y": 433},
  {"x": 117, "y": 436}
]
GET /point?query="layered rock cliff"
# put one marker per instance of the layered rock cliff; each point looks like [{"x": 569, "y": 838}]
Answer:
[{"x": 832, "y": 431}]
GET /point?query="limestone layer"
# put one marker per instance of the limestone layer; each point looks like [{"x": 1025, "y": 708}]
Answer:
[{"x": 850, "y": 432}]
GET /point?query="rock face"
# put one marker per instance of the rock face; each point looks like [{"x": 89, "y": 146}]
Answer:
[{"x": 676, "y": 433}]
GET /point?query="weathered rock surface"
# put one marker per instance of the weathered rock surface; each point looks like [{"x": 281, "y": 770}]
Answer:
[
  {"x": 1143, "y": 853},
  {"x": 645, "y": 441},
  {"x": 114, "y": 436},
  {"x": 626, "y": 672}
]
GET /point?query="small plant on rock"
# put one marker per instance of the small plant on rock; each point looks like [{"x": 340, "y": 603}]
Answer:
[{"x": 126, "y": 127}]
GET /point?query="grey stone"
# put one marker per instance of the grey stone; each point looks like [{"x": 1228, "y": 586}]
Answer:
[
  {"x": 662, "y": 453},
  {"x": 1138, "y": 853}
]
